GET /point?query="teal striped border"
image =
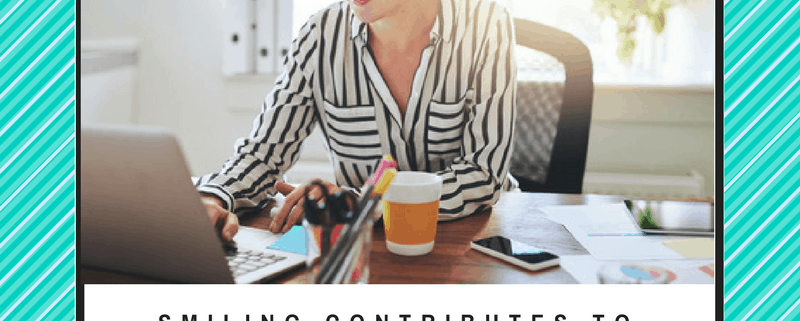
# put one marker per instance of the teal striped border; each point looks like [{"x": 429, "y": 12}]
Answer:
[
  {"x": 37, "y": 159},
  {"x": 761, "y": 166},
  {"x": 761, "y": 148}
]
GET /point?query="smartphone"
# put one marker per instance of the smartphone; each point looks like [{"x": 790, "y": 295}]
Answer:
[{"x": 517, "y": 253}]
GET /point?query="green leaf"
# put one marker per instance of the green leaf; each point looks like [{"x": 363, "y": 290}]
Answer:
[
  {"x": 625, "y": 12},
  {"x": 626, "y": 47},
  {"x": 646, "y": 220}
]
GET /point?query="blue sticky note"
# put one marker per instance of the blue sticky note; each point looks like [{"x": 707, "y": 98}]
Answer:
[{"x": 293, "y": 241}]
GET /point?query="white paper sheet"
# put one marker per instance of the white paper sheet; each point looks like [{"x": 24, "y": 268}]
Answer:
[
  {"x": 599, "y": 219},
  {"x": 582, "y": 267},
  {"x": 628, "y": 248},
  {"x": 609, "y": 233}
]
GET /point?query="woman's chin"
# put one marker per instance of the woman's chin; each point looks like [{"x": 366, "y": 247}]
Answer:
[
  {"x": 370, "y": 11},
  {"x": 365, "y": 14}
]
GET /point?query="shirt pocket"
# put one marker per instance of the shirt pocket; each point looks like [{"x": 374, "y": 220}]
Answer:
[
  {"x": 353, "y": 132},
  {"x": 446, "y": 127}
]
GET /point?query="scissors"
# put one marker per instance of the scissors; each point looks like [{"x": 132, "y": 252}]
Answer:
[{"x": 330, "y": 210}]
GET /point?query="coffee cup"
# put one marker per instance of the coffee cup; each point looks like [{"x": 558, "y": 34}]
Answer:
[{"x": 410, "y": 212}]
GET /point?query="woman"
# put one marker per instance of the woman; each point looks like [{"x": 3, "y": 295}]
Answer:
[{"x": 430, "y": 82}]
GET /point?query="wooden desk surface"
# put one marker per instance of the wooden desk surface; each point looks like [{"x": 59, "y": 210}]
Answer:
[{"x": 452, "y": 261}]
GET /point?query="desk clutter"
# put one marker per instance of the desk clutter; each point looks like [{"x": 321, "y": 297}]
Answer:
[
  {"x": 338, "y": 228},
  {"x": 619, "y": 252}
]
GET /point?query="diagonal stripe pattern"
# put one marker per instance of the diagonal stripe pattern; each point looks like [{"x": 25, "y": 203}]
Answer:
[
  {"x": 761, "y": 176},
  {"x": 37, "y": 159}
]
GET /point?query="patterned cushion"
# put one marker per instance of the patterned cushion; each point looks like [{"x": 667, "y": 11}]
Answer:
[
  {"x": 538, "y": 107},
  {"x": 540, "y": 92}
]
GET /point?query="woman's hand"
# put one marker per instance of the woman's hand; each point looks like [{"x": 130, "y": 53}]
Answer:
[
  {"x": 225, "y": 223},
  {"x": 292, "y": 210}
]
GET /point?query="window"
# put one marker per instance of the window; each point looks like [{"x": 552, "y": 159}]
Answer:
[{"x": 683, "y": 54}]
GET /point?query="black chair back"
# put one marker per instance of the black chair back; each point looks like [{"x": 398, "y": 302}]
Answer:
[{"x": 554, "y": 110}]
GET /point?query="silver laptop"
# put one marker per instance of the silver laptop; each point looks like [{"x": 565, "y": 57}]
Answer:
[{"x": 140, "y": 214}]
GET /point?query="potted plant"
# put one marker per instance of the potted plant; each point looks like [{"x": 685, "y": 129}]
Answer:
[{"x": 625, "y": 13}]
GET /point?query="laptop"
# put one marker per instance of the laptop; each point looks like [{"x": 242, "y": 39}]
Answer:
[
  {"x": 141, "y": 214},
  {"x": 672, "y": 217}
]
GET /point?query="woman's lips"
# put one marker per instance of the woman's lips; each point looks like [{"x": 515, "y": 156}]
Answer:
[{"x": 360, "y": 2}]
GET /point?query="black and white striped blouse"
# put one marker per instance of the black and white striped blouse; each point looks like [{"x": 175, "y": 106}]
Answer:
[{"x": 459, "y": 121}]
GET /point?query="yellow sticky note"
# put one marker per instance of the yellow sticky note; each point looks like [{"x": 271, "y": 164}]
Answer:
[{"x": 693, "y": 248}]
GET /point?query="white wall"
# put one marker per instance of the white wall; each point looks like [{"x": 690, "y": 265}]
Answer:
[
  {"x": 664, "y": 131},
  {"x": 181, "y": 88},
  {"x": 108, "y": 88}
]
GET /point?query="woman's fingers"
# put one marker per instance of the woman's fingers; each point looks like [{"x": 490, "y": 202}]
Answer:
[
  {"x": 292, "y": 210},
  {"x": 231, "y": 227},
  {"x": 294, "y": 217},
  {"x": 224, "y": 222},
  {"x": 284, "y": 188},
  {"x": 293, "y": 200}
]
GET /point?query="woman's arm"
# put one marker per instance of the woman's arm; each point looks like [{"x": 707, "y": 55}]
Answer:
[
  {"x": 475, "y": 180},
  {"x": 248, "y": 178}
]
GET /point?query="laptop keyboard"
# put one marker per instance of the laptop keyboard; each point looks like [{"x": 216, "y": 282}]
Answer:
[{"x": 244, "y": 261}]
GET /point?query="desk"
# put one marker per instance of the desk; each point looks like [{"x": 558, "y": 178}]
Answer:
[{"x": 452, "y": 260}]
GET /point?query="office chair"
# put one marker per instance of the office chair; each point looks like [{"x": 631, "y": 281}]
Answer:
[{"x": 554, "y": 109}]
